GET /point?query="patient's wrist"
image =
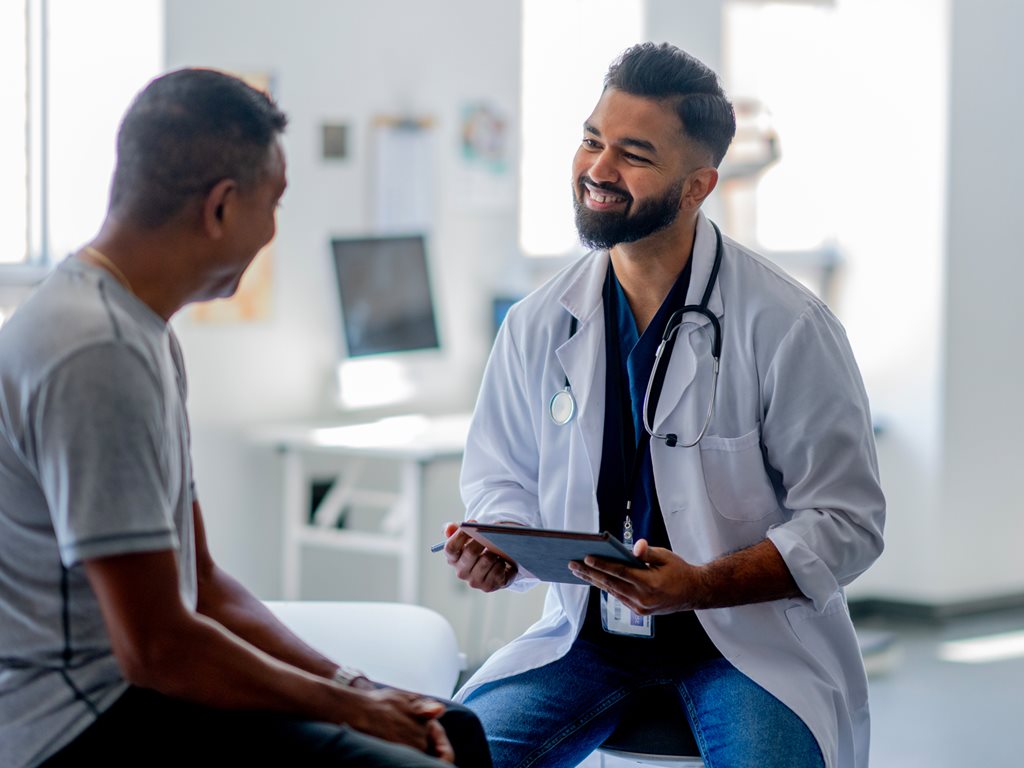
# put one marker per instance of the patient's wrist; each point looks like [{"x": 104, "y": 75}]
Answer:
[{"x": 350, "y": 677}]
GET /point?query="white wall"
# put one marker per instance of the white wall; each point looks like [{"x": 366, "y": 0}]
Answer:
[
  {"x": 982, "y": 513},
  {"x": 891, "y": 157},
  {"x": 339, "y": 61}
]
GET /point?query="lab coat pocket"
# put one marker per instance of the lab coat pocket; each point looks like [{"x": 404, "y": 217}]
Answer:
[
  {"x": 735, "y": 476},
  {"x": 828, "y": 636}
]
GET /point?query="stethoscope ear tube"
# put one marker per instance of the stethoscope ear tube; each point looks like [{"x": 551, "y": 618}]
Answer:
[
  {"x": 668, "y": 337},
  {"x": 672, "y": 440},
  {"x": 716, "y": 342}
]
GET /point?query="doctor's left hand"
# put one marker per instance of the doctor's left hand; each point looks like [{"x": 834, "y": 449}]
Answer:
[{"x": 667, "y": 585}]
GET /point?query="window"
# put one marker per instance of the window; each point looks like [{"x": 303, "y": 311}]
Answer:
[
  {"x": 854, "y": 115},
  {"x": 862, "y": 130},
  {"x": 70, "y": 70},
  {"x": 15, "y": 51},
  {"x": 567, "y": 47}
]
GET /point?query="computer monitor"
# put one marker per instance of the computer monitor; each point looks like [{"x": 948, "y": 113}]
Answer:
[
  {"x": 392, "y": 355},
  {"x": 384, "y": 289}
]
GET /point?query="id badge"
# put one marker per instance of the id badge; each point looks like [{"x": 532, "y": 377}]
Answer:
[{"x": 617, "y": 619}]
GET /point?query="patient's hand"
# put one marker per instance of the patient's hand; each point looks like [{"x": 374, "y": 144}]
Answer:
[
  {"x": 475, "y": 564},
  {"x": 404, "y": 718}
]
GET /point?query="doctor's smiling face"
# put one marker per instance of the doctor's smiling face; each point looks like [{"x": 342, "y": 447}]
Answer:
[{"x": 633, "y": 170}]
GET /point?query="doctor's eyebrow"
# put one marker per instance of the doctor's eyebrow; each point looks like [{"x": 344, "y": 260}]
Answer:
[{"x": 627, "y": 141}]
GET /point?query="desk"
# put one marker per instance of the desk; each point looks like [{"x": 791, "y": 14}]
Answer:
[{"x": 411, "y": 441}]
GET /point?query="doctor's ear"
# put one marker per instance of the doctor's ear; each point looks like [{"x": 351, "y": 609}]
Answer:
[
  {"x": 217, "y": 206},
  {"x": 698, "y": 185}
]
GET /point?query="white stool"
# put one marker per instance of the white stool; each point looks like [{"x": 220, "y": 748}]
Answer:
[{"x": 653, "y": 731}]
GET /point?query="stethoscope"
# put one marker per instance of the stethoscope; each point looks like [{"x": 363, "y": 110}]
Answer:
[{"x": 562, "y": 407}]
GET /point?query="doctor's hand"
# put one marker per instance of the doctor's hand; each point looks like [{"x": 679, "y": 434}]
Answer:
[
  {"x": 667, "y": 585},
  {"x": 475, "y": 564}
]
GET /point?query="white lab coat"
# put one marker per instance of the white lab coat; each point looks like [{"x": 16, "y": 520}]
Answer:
[{"x": 789, "y": 455}]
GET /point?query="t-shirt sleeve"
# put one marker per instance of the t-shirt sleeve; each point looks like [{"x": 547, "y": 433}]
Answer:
[{"x": 101, "y": 452}]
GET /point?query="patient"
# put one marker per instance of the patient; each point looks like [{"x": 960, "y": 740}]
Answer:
[{"x": 122, "y": 641}]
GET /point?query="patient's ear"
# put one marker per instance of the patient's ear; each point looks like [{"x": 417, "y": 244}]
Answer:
[{"x": 217, "y": 207}]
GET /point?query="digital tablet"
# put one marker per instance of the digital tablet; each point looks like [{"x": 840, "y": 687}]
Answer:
[{"x": 546, "y": 553}]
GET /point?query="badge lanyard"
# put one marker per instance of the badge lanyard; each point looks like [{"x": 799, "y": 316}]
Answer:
[{"x": 616, "y": 617}]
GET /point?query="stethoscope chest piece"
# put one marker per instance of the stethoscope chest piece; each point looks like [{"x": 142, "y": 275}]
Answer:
[{"x": 562, "y": 407}]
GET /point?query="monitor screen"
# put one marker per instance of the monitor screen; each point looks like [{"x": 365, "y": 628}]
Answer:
[{"x": 384, "y": 288}]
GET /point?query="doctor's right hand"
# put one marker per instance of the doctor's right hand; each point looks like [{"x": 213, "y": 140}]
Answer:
[{"x": 475, "y": 564}]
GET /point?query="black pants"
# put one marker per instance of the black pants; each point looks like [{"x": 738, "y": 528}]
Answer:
[{"x": 145, "y": 728}]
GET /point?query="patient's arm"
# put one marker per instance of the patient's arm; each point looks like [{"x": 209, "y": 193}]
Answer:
[
  {"x": 160, "y": 643},
  {"x": 226, "y": 601}
]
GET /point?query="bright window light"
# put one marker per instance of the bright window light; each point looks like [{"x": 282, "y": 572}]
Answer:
[
  {"x": 567, "y": 47},
  {"x": 14, "y": 132},
  {"x": 70, "y": 71},
  {"x": 983, "y": 650},
  {"x": 374, "y": 383},
  {"x": 862, "y": 137},
  {"x": 769, "y": 51},
  {"x": 412, "y": 430},
  {"x": 840, "y": 115},
  {"x": 101, "y": 53}
]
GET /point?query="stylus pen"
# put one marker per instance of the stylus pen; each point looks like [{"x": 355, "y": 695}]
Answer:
[{"x": 439, "y": 546}]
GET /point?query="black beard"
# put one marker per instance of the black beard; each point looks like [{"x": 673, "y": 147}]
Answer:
[{"x": 608, "y": 229}]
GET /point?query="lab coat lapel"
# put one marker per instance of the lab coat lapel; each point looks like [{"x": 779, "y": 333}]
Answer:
[
  {"x": 693, "y": 340},
  {"x": 582, "y": 356}
]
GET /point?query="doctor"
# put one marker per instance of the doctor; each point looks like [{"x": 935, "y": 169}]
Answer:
[{"x": 738, "y": 458}]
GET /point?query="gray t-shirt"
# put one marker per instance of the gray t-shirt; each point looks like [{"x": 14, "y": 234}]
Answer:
[{"x": 94, "y": 461}]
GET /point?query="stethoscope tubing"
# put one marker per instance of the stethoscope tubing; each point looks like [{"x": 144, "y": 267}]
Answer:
[{"x": 671, "y": 440}]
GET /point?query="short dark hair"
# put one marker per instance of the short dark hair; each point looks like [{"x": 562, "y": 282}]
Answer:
[
  {"x": 186, "y": 131},
  {"x": 665, "y": 72}
]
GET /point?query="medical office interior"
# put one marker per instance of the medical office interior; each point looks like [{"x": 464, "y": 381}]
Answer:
[{"x": 876, "y": 160}]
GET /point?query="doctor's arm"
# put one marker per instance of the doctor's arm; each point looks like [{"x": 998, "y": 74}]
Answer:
[
  {"x": 669, "y": 584},
  {"x": 817, "y": 435},
  {"x": 818, "y": 438},
  {"x": 500, "y": 467}
]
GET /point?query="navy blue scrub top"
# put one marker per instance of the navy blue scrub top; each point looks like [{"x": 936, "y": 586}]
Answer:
[{"x": 629, "y": 359}]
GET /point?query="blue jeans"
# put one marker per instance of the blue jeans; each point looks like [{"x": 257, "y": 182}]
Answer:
[{"x": 556, "y": 715}]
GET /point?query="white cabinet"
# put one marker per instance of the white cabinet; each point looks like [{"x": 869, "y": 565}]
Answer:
[{"x": 393, "y": 484}]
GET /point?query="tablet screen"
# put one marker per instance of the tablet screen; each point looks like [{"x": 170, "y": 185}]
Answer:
[{"x": 545, "y": 553}]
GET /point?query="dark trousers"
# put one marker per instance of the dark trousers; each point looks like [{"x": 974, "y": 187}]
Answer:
[{"x": 145, "y": 728}]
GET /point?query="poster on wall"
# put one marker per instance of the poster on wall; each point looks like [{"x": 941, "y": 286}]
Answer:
[
  {"x": 485, "y": 178},
  {"x": 402, "y": 175},
  {"x": 253, "y": 300}
]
